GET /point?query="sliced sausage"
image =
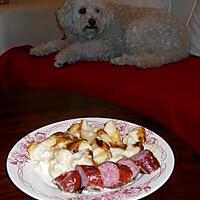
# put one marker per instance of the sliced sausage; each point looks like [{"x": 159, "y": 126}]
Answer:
[
  {"x": 90, "y": 177},
  {"x": 147, "y": 162},
  {"x": 125, "y": 175},
  {"x": 132, "y": 166},
  {"x": 109, "y": 173},
  {"x": 114, "y": 175},
  {"x": 68, "y": 181}
]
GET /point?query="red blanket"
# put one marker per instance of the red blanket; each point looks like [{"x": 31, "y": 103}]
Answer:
[{"x": 169, "y": 94}]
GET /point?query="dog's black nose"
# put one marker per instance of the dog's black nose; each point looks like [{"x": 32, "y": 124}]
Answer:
[{"x": 92, "y": 21}]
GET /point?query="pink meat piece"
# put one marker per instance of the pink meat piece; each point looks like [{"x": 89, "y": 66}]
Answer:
[
  {"x": 125, "y": 175},
  {"x": 115, "y": 175},
  {"x": 109, "y": 173},
  {"x": 131, "y": 164}
]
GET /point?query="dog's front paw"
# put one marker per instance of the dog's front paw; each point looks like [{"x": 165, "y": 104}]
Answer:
[
  {"x": 123, "y": 60},
  {"x": 38, "y": 51},
  {"x": 63, "y": 58},
  {"x": 116, "y": 61},
  {"x": 145, "y": 62},
  {"x": 59, "y": 64},
  {"x": 60, "y": 60}
]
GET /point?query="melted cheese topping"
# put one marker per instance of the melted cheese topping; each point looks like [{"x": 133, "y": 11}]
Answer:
[
  {"x": 60, "y": 163},
  {"x": 82, "y": 144}
]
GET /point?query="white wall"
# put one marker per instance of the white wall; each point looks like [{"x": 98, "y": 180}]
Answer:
[{"x": 182, "y": 8}]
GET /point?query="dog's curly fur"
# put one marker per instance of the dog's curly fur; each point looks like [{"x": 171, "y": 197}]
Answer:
[{"x": 99, "y": 30}]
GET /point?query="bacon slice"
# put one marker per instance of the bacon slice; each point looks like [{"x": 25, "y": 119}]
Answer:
[
  {"x": 69, "y": 181},
  {"x": 90, "y": 177},
  {"x": 146, "y": 161}
]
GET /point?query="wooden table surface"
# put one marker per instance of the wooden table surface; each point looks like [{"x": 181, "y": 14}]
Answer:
[{"x": 24, "y": 111}]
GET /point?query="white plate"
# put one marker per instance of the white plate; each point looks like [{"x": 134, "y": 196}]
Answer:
[{"x": 21, "y": 172}]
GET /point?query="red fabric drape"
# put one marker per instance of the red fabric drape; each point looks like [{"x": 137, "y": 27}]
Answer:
[{"x": 169, "y": 94}]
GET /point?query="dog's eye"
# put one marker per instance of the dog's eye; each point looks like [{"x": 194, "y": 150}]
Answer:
[
  {"x": 97, "y": 10},
  {"x": 82, "y": 11}
]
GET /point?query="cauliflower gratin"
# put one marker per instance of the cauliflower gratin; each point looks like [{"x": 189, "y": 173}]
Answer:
[
  {"x": 83, "y": 144},
  {"x": 85, "y": 157}
]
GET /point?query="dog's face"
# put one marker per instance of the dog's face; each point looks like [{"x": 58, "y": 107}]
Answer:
[{"x": 85, "y": 18}]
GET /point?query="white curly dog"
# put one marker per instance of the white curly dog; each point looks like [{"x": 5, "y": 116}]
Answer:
[{"x": 100, "y": 30}]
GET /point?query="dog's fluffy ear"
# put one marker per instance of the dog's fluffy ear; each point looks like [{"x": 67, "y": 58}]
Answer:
[{"x": 62, "y": 12}]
